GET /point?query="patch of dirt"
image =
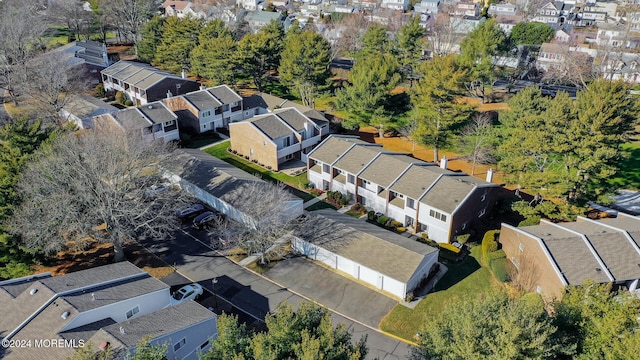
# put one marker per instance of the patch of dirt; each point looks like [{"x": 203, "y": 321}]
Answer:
[
  {"x": 402, "y": 144},
  {"x": 102, "y": 254}
]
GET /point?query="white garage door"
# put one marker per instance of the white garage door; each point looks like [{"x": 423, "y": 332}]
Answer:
[
  {"x": 369, "y": 276},
  {"x": 326, "y": 257},
  {"x": 345, "y": 265},
  {"x": 393, "y": 286}
]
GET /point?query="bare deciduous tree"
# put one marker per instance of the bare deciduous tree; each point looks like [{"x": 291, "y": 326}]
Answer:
[
  {"x": 475, "y": 141},
  {"x": 409, "y": 131},
  {"x": 445, "y": 34},
  {"x": 73, "y": 14},
  {"x": 268, "y": 229},
  {"x": 100, "y": 185},
  {"x": 53, "y": 79},
  {"x": 576, "y": 68},
  {"x": 21, "y": 27},
  {"x": 527, "y": 276},
  {"x": 130, "y": 15}
]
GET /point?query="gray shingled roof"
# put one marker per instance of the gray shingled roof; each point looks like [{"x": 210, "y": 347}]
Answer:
[
  {"x": 416, "y": 180},
  {"x": 202, "y": 100},
  {"x": 333, "y": 147},
  {"x": 224, "y": 94},
  {"x": 271, "y": 125},
  {"x": 386, "y": 168},
  {"x": 132, "y": 118},
  {"x": 151, "y": 79},
  {"x": 140, "y": 75},
  {"x": 616, "y": 251},
  {"x": 115, "y": 68},
  {"x": 159, "y": 323},
  {"x": 356, "y": 158},
  {"x": 91, "y": 276},
  {"x": 366, "y": 244},
  {"x": 571, "y": 254},
  {"x": 292, "y": 117},
  {"x": 157, "y": 112},
  {"x": 449, "y": 191},
  {"x": 213, "y": 175}
]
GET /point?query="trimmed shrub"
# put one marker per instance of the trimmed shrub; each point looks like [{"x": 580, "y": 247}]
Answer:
[
  {"x": 500, "y": 254},
  {"x": 100, "y": 91},
  {"x": 448, "y": 255},
  {"x": 401, "y": 229},
  {"x": 382, "y": 220},
  {"x": 371, "y": 215},
  {"x": 395, "y": 223},
  {"x": 426, "y": 240},
  {"x": 449, "y": 247},
  {"x": 184, "y": 137},
  {"x": 489, "y": 244},
  {"x": 128, "y": 103},
  {"x": 462, "y": 239},
  {"x": 120, "y": 97}
]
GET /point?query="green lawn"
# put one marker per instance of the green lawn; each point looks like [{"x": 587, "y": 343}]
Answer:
[
  {"x": 320, "y": 205},
  {"x": 629, "y": 175},
  {"x": 297, "y": 182},
  {"x": 462, "y": 281}
]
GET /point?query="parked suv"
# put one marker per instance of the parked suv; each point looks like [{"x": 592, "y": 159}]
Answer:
[
  {"x": 189, "y": 211},
  {"x": 201, "y": 220}
]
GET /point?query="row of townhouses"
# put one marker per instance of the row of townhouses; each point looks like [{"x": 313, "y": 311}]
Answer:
[
  {"x": 113, "y": 307},
  {"x": 423, "y": 196}
]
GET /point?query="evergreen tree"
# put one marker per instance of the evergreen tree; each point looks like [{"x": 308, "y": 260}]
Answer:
[
  {"x": 213, "y": 58},
  {"x": 409, "y": 46},
  {"x": 180, "y": 36},
  {"x": 258, "y": 54},
  {"x": 304, "y": 66},
  {"x": 151, "y": 36},
  {"x": 439, "y": 113},
  {"x": 368, "y": 95},
  {"x": 531, "y": 33}
]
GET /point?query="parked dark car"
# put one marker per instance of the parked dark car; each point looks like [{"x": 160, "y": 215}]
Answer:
[
  {"x": 189, "y": 211},
  {"x": 201, "y": 220}
]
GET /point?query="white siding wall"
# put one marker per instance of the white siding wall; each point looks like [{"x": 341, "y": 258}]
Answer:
[
  {"x": 315, "y": 179},
  {"x": 423, "y": 271},
  {"x": 437, "y": 230},
  {"x": 396, "y": 213},
  {"x": 363, "y": 273},
  {"x": 147, "y": 303},
  {"x": 195, "y": 336}
]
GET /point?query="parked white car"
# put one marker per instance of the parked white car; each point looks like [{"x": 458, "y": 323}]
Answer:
[{"x": 187, "y": 292}]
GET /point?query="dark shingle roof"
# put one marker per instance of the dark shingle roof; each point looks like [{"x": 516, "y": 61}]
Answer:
[
  {"x": 224, "y": 94},
  {"x": 159, "y": 323},
  {"x": 386, "y": 168},
  {"x": 292, "y": 117},
  {"x": 271, "y": 125},
  {"x": 132, "y": 118},
  {"x": 356, "y": 158},
  {"x": 157, "y": 112},
  {"x": 449, "y": 191},
  {"x": 202, "y": 100},
  {"x": 415, "y": 181},
  {"x": 91, "y": 276}
]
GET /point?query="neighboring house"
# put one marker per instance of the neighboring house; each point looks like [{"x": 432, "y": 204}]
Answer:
[
  {"x": 91, "y": 55},
  {"x": 621, "y": 66},
  {"x": 142, "y": 83},
  {"x": 549, "y": 13},
  {"x": 384, "y": 260},
  {"x": 561, "y": 37},
  {"x": 395, "y": 4},
  {"x": 309, "y": 9},
  {"x": 112, "y": 306},
  {"x": 596, "y": 13},
  {"x": 250, "y": 5},
  {"x": 154, "y": 121},
  {"x": 508, "y": 22},
  {"x": 502, "y": 9},
  {"x": 182, "y": 9},
  {"x": 220, "y": 185},
  {"x": 274, "y": 138},
  {"x": 551, "y": 56},
  {"x": 261, "y": 103},
  {"x": 463, "y": 25},
  {"x": 617, "y": 36},
  {"x": 557, "y": 255},
  {"x": 466, "y": 8},
  {"x": 206, "y": 109},
  {"x": 427, "y": 7},
  {"x": 259, "y": 19},
  {"x": 82, "y": 109},
  {"x": 421, "y": 195}
]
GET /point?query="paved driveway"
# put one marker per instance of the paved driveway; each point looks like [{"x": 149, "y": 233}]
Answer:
[
  {"x": 256, "y": 295},
  {"x": 336, "y": 292}
]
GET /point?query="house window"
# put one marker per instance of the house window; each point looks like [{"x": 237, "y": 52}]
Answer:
[
  {"x": 365, "y": 183},
  {"x": 169, "y": 123},
  {"x": 132, "y": 312},
  {"x": 325, "y": 168},
  {"x": 411, "y": 203},
  {"x": 206, "y": 113},
  {"x": 516, "y": 263},
  {"x": 521, "y": 247},
  {"x": 204, "y": 345},
  {"x": 179, "y": 344},
  {"x": 437, "y": 215},
  {"x": 351, "y": 179}
]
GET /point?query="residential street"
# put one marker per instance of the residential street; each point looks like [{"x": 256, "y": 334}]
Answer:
[{"x": 257, "y": 295}]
